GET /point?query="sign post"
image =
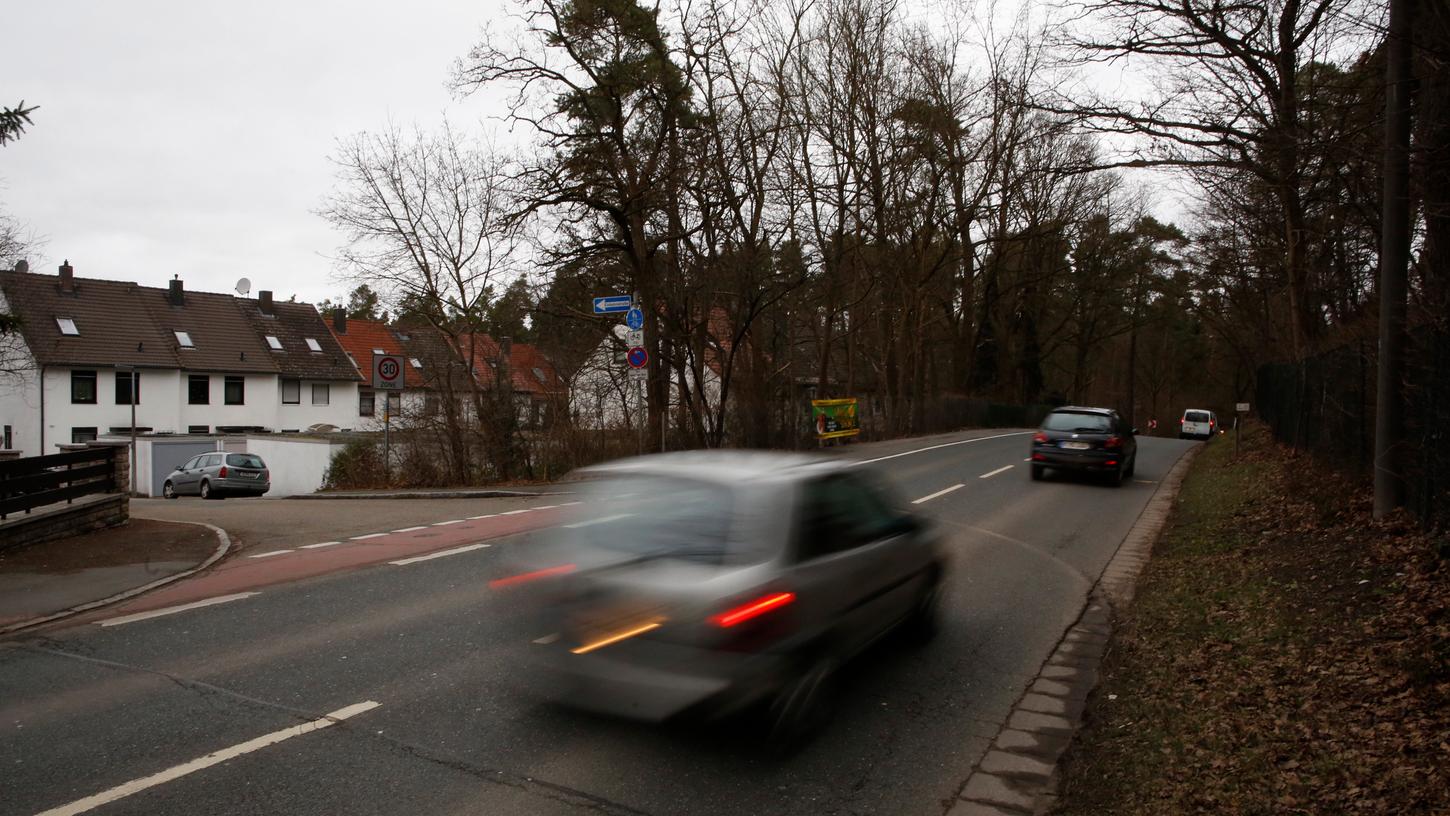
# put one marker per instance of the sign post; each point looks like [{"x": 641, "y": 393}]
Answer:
[
  {"x": 387, "y": 377},
  {"x": 1241, "y": 410}
]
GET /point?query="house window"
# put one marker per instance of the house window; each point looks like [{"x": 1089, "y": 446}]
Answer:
[
  {"x": 198, "y": 389},
  {"x": 366, "y": 403},
  {"x": 79, "y": 436},
  {"x": 395, "y": 403},
  {"x": 183, "y": 339},
  {"x": 416, "y": 362},
  {"x": 127, "y": 384},
  {"x": 67, "y": 327},
  {"x": 273, "y": 343},
  {"x": 198, "y": 429},
  {"x": 291, "y": 392},
  {"x": 321, "y": 393},
  {"x": 234, "y": 391},
  {"x": 313, "y": 344},
  {"x": 8, "y": 443},
  {"x": 431, "y": 404},
  {"x": 83, "y": 387},
  {"x": 379, "y": 351}
]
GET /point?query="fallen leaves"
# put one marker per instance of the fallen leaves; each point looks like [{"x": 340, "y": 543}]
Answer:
[{"x": 1286, "y": 654}]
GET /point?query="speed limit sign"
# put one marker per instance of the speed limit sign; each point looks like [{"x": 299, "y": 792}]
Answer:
[{"x": 388, "y": 372}]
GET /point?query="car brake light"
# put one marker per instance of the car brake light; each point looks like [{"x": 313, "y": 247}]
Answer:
[
  {"x": 1181, "y": 420},
  {"x": 1113, "y": 442},
  {"x": 222, "y": 474},
  {"x": 547, "y": 572},
  {"x": 1112, "y": 461},
  {"x": 1040, "y": 437},
  {"x": 753, "y": 609}
]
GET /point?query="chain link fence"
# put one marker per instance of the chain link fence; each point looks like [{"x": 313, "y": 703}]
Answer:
[{"x": 1325, "y": 405}]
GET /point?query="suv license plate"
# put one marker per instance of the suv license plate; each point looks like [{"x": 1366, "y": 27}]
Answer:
[{"x": 1076, "y": 445}]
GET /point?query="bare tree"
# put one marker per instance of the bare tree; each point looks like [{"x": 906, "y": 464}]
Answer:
[{"x": 425, "y": 221}]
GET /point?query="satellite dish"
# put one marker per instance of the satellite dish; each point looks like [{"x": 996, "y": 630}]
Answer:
[{"x": 244, "y": 286}]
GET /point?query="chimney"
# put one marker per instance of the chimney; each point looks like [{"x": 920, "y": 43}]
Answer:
[
  {"x": 506, "y": 349},
  {"x": 67, "y": 277},
  {"x": 339, "y": 319},
  {"x": 264, "y": 302},
  {"x": 177, "y": 296},
  {"x": 22, "y": 266}
]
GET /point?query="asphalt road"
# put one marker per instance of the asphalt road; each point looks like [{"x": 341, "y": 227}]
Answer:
[{"x": 89, "y": 709}]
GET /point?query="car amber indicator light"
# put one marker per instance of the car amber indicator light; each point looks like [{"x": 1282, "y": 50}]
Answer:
[
  {"x": 754, "y": 609},
  {"x": 531, "y": 576},
  {"x": 617, "y": 637}
]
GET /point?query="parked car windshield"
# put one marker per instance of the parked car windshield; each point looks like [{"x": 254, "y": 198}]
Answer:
[
  {"x": 1196, "y": 416},
  {"x": 246, "y": 460},
  {"x": 651, "y": 516},
  {"x": 1086, "y": 423}
]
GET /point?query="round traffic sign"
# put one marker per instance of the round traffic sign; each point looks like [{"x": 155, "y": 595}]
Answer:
[
  {"x": 634, "y": 318},
  {"x": 637, "y": 357},
  {"x": 389, "y": 369}
]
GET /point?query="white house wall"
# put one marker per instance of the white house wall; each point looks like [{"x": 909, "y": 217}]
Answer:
[
  {"x": 20, "y": 395},
  {"x": 296, "y": 465}
]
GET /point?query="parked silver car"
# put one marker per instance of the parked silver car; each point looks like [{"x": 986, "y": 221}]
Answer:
[
  {"x": 218, "y": 475},
  {"x": 706, "y": 583}
]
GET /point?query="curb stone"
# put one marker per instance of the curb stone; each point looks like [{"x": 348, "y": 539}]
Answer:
[
  {"x": 1018, "y": 775},
  {"x": 224, "y": 544}
]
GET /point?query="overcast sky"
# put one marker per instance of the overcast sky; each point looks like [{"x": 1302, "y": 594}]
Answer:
[{"x": 193, "y": 138}]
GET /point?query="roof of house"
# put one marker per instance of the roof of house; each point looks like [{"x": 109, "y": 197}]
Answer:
[
  {"x": 362, "y": 338},
  {"x": 293, "y": 324},
  {"x": 530, "y": 372},
  {"x": 121, "y": 324}
]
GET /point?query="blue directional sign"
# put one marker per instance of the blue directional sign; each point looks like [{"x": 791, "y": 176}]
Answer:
[
  {"x": 612, "y": 304},
  {"x": 634, "y": 318},
  {"x": 637, "y": 357}
]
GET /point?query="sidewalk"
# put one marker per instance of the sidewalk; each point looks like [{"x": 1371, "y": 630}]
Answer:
[{"x": 58, "y": 576}]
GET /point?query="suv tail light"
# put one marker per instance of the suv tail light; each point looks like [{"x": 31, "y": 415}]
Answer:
[
  {"x": 1040, "y": 437},
  {"x": 1113, "y": 442},
  {"x": 222, "y": 474},
  {"x": 753, "y": 609}
]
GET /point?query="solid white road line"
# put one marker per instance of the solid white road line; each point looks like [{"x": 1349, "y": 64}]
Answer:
[
  {"x": 450, "y": 521},
  {"x": 411, "y": 529},
  {"x": 214, "y": 758},
  {"x": 939, "y": 493},
  {"x": 943, "y": 445},
  {"x": 995, "y": 472},
  {"x": 440, "y": 554},
  {"x": 269, "y": 554},
  {"x": 320, "y": 546},
  {"x": 156, "y": 613},
  {"x": 604, "y": 520},
  {"x": 369, "y": 535}
]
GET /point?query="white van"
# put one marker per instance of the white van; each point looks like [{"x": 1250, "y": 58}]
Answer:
[{"x": 1197, "y": 424}]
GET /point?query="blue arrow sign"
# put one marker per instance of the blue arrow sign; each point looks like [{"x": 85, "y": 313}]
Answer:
[
  {"x": 634, "y": 318},
  {"x": 612, "y": 304},
  {"x": 637, "y": 357}
]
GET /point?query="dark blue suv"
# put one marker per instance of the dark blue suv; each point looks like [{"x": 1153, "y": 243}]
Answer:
[{"x": 1093, "y": 440}]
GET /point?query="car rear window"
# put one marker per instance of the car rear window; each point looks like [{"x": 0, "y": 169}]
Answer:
[
  {"x": 1082, "y": 423},
  {"x": 1196, "y": 416},
  {"x": 245, "y": 460},
  {"x": 657, "y": 517}
]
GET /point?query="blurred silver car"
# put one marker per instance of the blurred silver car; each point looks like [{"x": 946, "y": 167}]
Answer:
[
  {"x": 218, "y": 475},
  {"x": 705, "y": 583}
]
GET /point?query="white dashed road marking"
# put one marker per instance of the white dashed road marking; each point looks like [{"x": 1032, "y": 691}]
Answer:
[
  {"x": 269, "y": 554},
  {"x": 369, "y": 535},
  {"x": 995, "y": 472},
  {"x": 516, "y": 512},
  {"x": 450, "y": 521},
  {"x": 320, "y": 546},
  {"x": 604, "y": 520},
  {"x": 156, "y": 613},
  {"x": 939, "y": 494},
  {"x": 440, "y": 554},
  {"x": 214, "y": 758},
  {"x": 411, "y": 529}
]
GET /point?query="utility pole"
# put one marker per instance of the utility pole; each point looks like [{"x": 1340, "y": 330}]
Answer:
[{"x": 1389, "y": 425}]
